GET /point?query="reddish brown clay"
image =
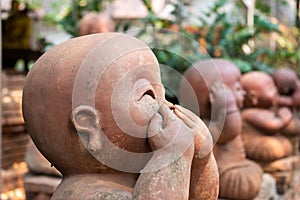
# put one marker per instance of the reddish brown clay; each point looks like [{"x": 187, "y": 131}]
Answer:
[
  {"x": 36, "y": 162},
  {"x": 95, "y": 23},
  {"x": 261, "y": 124},
  {"x": 95, "y": 107},
  {"x": 288, "y": 86},
  {"x": 217, "y": 90}
]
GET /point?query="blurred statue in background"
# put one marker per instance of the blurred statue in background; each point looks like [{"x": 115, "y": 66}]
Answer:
[
  {"x": 288, "y": 86},
  {"x": 215, "y": 82},
  {"x": 16, "y": 37},
  {"x": 96, "y": 23},
  {"x": 261, "y": 124},
  {"x": 16, "y": 28}
]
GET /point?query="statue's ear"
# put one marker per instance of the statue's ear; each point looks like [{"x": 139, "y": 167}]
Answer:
[
  {"x": 253, "y": 97},
  {"x": 85, "y": 120}
]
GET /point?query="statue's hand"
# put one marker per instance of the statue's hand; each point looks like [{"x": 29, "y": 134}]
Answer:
[
  {"x": 218, "y": 95},
  {"x": 285, "y": 114},
  {"x": 169, "y": 132},
  {"x": 202, "y": 138},
  {"x": 172, "y": 143},
  {"x": 221, "y": 97}
]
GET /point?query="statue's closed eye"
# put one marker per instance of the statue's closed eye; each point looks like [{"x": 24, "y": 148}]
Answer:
[{"x": 150, "y": 93}]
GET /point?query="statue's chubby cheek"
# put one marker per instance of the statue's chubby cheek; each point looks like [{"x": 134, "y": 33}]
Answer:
[{"x": 142, "y": 111}]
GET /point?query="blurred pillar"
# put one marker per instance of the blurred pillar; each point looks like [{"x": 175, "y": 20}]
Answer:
[
  {"x": 74, "y": 10},
  {"x": 297, "y": 14},
  {"x": 250, "y": 4}
]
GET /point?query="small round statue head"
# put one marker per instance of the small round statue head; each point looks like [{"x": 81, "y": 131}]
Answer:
[
  {"x": 91, "y": 93},
  {"x": 199, "y": 79},
  {"x": 95, "y": 23},
  {"x": 260, "y": 90},
  {"x": 285, "y": 81}
]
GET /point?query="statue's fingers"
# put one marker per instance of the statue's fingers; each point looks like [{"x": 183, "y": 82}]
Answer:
[
  {"x": 167, "y": 115},
  {"x": 187, "y": 120},
  {"x": 155, "y": 126}
]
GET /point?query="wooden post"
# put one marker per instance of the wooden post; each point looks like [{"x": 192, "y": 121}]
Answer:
[
  {"x": 297, "y": 14},
  {"x": 74, "y": 10},
  {"x": 250, "y": 4}
]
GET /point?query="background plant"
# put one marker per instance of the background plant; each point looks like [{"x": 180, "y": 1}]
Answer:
[
  {"x": 273, "y": 44},
  {"x": 77, "y": 10},
  {"x": 267, "y": 46}
]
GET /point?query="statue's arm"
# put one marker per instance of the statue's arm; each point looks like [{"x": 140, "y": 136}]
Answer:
[
  {"x": 204, "y": 178},
  {"x": 204, "y": 174},
  {"x": 169, "y": 182},
  {"x": 285, "y": 100},
  {"x": 226, "y": 119},
  {"x": 167, "y": 174},
  {"x": 267, "y": 120},
  {"x": 292, "y": 127}
]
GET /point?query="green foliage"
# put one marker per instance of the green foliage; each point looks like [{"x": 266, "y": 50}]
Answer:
[
  {"x": 180, "y": 50},
  {"x": 57, "y": 11},
  {"x": 248, "y": 47},
  {"x": 265, "y": 7},
  {"x": 225, "y": 35},
  {"x": 177, "y": 50},
  {"x": 75, "y": 12},
  {"x": 33, "y": 4},
  {"x": 263, "y": 24},
  {"x": 178, "y": 54},
  {"x": 229, "y": 37},
  {"x": 179, "y": 57},
  {"x": 236, "y": 41},
  {"x": 287, "y": 52}
]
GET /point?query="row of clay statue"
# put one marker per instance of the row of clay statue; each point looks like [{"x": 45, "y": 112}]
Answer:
[
  {"x": 260, "y": 120},
  {"x": 95, "y": 108}
]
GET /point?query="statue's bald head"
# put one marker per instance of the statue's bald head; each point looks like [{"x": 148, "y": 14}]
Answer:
[
  {"x": 260, "y": 89},
  {"x": 285, "y": 80},
  {"x": 81, "y": 71},
  {"x": 199, "y": 77}
]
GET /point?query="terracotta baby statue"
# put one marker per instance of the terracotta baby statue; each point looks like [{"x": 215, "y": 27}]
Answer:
[
  {"x": 95, "y": 23},
  {"x": 261, "y": 124},
  {"x": 288, "y": 86},
  {"x": 95, "y": 107},
  {"x": 218, "y": 92},
  {"x": 36, "y": 162}
]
